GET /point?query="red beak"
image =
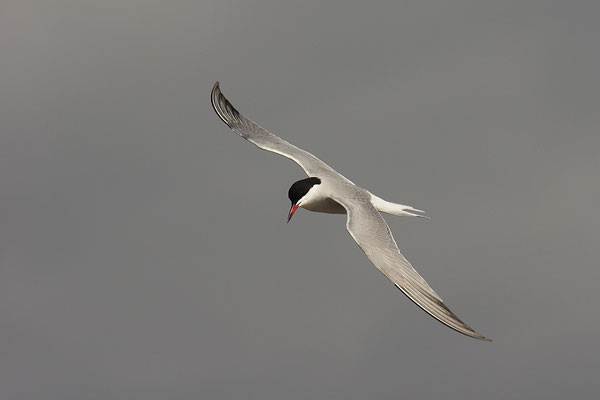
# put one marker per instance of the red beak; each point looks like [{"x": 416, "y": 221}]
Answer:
[{"x": 292, "y": 211}]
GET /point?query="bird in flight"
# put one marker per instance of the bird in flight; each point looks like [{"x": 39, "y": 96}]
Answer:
[{"x": 327, "y": 191}]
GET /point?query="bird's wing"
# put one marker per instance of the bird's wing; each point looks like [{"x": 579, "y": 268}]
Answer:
[
  {"x": 370, "y": 231},
  {"x": 264, "y": 139}
]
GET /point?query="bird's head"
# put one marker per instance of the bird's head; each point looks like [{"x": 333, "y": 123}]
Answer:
[{"x": 299, "y": 192}]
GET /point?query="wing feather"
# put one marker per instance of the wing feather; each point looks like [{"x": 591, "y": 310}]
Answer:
[
  {"x": 264, "y": 139},
  {"x": 372, "y": 234}
]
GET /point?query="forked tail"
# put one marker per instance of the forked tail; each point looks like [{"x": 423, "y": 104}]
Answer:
[{"x": 394, "y": 208}]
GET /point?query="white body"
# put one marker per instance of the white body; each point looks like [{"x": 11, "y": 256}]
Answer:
[{"x": 318, "y": 200}]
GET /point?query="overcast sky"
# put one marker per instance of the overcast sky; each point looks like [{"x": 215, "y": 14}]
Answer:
[{"x": 144, "y": 252}]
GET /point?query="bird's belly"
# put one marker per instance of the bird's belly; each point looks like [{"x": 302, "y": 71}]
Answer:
[{"x": 325, "y": 205}]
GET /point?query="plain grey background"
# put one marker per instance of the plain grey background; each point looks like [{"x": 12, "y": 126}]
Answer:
[{"x": 144, "y": 250}]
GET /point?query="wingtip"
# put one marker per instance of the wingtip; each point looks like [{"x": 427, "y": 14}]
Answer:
[
  {"x": 215, "y": 90},
  {"x": 470, "y": 332},
  {"x": 215, "y": 95},
  {"x": 476, "y": 335}
]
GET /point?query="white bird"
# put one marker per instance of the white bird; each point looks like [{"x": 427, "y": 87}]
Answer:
[{"x": 327, "y": 191}]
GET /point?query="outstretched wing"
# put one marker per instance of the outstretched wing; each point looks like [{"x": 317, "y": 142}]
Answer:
[
  {"x": 370, "y": 231},
  {"x": 264, "y": 139}
]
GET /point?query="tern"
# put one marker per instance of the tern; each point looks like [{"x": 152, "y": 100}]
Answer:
[{"x": 327, "y": 191}]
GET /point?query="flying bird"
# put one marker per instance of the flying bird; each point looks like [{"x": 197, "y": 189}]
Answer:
[{"x": 327, "y": 191}]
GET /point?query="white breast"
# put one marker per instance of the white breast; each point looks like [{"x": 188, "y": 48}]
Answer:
[{"x": 316, "y": 200}]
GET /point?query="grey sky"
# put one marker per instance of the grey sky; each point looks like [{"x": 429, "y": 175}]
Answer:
[{"x": 144, "y": 250}]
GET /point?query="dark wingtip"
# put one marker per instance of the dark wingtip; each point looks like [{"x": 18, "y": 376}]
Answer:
[
  {"x": 485, "y": 339},
  {"x": 214, "y": 93},
  {"x": 225, "y": 110}
]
